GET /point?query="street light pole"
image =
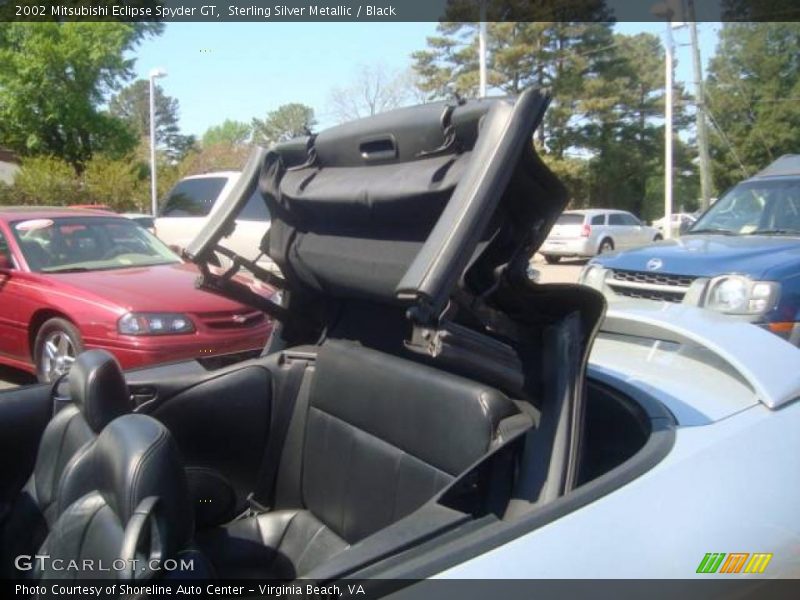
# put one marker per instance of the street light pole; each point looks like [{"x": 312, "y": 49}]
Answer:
[
  {"x": 154, "y": 74},
  {"x": 482, "y": 51},
  {"x": 668, "y": 131}
]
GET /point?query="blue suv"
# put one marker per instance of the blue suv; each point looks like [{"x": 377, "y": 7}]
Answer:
[{"x": 741, "y": 257}]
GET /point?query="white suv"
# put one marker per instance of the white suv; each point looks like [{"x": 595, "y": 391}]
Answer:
[
  {"x": 586, "y": 233},
  {"x": 194, "y": 200}
]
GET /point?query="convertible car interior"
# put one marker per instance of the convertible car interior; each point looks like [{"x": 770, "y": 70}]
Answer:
[{"x": 419, "y": 392}]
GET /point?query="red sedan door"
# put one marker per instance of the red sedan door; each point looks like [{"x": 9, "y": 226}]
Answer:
[{"x": 10, "y": 334}]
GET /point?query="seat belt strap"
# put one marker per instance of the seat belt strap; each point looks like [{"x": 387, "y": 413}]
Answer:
[{"x": 282, "y": 410}]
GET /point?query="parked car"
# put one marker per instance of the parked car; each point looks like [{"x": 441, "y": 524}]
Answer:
[
  {"x": 587, "y": 233},
  {"x": 741, "y": 257},
  {"x": 424, "y": 409},
  {"x": 146, "y": 221},
  {"x": 73, "y": 279},
  {"x": 194, "y": 200},
  {"x": 681, "y": 222},
  {"x": 103, "y": 207}
]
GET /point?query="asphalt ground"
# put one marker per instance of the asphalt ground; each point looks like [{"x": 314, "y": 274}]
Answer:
[{"x": 566, "y": 271}]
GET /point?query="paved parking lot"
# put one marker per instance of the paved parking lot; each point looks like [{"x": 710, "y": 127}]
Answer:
[
  {"x": 566, "y": 271},
  {"x": 10, "y": 378}
]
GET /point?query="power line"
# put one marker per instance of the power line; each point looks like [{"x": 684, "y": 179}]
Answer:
[
  {"x": 756, "y": 126},
  {"x": 726, "y": 140}
]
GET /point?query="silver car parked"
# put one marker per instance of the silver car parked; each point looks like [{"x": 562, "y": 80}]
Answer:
[{"x": 587, "y": 233}]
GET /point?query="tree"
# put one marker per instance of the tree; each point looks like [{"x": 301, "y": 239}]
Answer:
[
  {"x": 45, "y": 180},
  {"x": 753, "y": 90},
  {"x": 560, "y": 56},
  {"x": 284, "y": 123},
  {"x": 449, "y": 66},
  {"x": 374, "y": 89},
  {"x": 54, "y": 79},
  {"x": 117, "y": 184},
  {"x": 132, "y": 105},
  {"x": 622, "y": 126},
  {"x": 233, "y": 133},
  {"x": 214, "y": 157}
]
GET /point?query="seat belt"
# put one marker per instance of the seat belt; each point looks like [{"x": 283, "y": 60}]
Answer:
[{"x": 282, "y": 410}]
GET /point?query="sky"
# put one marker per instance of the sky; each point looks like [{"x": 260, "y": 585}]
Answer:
[{"x": 238, "y": 71}]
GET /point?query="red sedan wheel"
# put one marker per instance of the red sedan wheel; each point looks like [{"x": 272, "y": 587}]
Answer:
[{"x": 57, "y": 344}]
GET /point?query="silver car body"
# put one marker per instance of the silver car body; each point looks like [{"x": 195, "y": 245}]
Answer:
[
  {"x": 177, "y": 229},
  {"x": 679, "y": 220},
  {"x": 729, "y": 482},
  {"x": 581, "y": 233}
]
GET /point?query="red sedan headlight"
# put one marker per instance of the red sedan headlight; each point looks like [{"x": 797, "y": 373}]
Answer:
[{"x": 154, "y": 324}]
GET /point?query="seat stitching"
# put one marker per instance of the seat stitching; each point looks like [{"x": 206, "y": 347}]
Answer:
[
  {"x": 482, "y": 399},
  {"x": 71, "y": 464},
  {"x": 85, "y": 531},
  {"x": 53, "y": 477},
  {"x": 395, "y": 492},
  {"x": 280, "y": 540},
  {"x": 283, "y": 533},
  {"x": 346, "y": 482},
  {"x": 139, "y": 466},
  {"x": 308, "y": 544}
]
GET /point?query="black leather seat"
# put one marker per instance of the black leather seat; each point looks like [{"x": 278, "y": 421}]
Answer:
[
  {"x": 99, "y": 395},
  {"x": 132, "y": 469},
  {"x": 382, "y": 436}
]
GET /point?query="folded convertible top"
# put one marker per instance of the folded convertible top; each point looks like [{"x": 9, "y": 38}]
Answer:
[
  {"x": 397, "y": 206},
  {"x": 402, "y": 206}
]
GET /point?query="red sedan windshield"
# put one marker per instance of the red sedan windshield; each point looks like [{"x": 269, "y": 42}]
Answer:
[{"x": 84, "y": 243}]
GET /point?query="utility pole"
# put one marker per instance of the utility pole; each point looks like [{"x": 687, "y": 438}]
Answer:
[{"x": 700, "y": 113}]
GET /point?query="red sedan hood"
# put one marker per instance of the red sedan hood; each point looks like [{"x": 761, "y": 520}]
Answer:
[{"x": 160, "y": 288}]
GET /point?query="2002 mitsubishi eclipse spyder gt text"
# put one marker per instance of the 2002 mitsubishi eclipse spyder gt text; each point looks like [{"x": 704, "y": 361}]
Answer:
[{"x": 422, "y": 409}]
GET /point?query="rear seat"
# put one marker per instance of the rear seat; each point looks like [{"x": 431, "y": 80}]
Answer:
[{"x": 382, "y": 436}]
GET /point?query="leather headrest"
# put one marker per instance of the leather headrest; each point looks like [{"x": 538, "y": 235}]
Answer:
[
  {"x": 98, "y": 388},
  {"x": 135, "y": 457}
]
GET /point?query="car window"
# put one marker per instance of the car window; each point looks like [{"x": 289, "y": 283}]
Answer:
[
  {"x": 255, "y": 209},
  {"x": 630, "y": 220},
  {"x": 193, "y": 197},
  {"x": 756, "y": 206},
  {"x": 88, "y": 244},
  {"x": 616, "y": 219},
  {"x": 146, "y": 222},
  {"x": 6, "y": 260},
  {"x": 599, "y": 220},
  {"x": 570, "y": 219}
]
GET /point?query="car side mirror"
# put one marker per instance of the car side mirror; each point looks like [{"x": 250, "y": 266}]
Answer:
[{"x": 5, "y": 263}]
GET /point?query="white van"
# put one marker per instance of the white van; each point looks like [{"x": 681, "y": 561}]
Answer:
[{"x": 194, "y": 200}]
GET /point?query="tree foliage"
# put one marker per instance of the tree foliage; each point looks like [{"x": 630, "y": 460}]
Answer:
[
  {"x": 230, "y": 132},
  {"x": 132, "y": 105},
  {"x": 54, "y": 79},
  {"x": 214, "y": 157},
  {"x": 49, "y": 181},
  {"x": 284, "y": 123},
  {"x": 753, "y": 92},
  {"x": 603, "y": 133}
]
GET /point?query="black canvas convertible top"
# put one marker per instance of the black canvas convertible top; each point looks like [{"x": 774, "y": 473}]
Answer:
[{"x": 401, "y": 206}]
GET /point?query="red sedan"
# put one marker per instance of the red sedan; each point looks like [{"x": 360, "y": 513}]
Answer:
[{"x": 72, "y": 279}]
